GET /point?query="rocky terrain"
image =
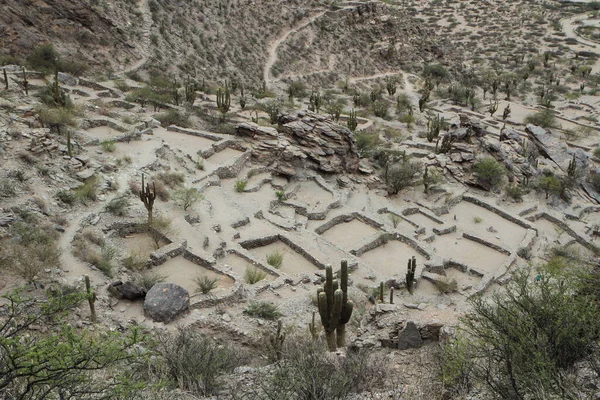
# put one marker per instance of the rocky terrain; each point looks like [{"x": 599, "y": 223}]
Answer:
[{"x": 379, "y": 133}]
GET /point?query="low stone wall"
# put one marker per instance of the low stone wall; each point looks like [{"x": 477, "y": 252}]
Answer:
[
  {"x": 253, "y": 261},
  {"x": 578, "y": 238},
  {"x": 386, "y": 237},
  {"x": 104, "y": 121},
  {"x": 345, "y": 218},
  {"x": 444, "y": 231},
  {"x": 160, "y": 256},
  {"x": 486, "y": 243},
  {"x": 231, "y": 171},
  {"x": 192, "y": 132},
  {"x": 519, "y": 221}
]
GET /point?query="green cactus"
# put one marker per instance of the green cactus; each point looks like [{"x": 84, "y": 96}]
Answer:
[
  {"x": 147, "y": 197},
  {"x": 445, "y": 145},
  {"x": 434, "y": 126},
  {"x": 223, "y": 100},
  {"x": 276, "y": 340},
  {"x": 390, "y": 85},
  {"x": 190, "y": 89},
  {"x": 572, "y": 167},
  {"x": 91, "y": 297},
  {"x": 315, "y": 102},
  {"x": 493, "y": 108},
  {"x": 410, "y": 274},
  {"x": 312, "y": 328},
  {"x": 506, "y": 112},
  {"x": 5, "y": 79},
  {"x": 60, "y": 97},
  {"x": 69, "y": 145},
  {"x": 25, "y": 82},
  {"x": 391, "y": 295},
  {"x": 352, "y": 121},
  {"x": 175, "y": 92},
  {"x": 334, "y": 307}
]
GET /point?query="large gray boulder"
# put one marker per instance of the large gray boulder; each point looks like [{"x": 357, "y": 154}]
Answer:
[
  {"x": 165, "y": 301},
  {"x": 409, "y": 337}
]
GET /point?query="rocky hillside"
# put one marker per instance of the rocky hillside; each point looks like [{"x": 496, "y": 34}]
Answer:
[{"x": 101, "y": 33}]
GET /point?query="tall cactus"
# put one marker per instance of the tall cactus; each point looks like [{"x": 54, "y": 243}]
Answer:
[
  {"x": 334, "y": 307},
  {"x": 147, "y": 197},
  {"x": 352, "y": 121},
  {"x": 223, "y": 100},
  {"x": 5, "y": 79},
  {"x": 410, "y": 274},
  {"x": 25, "y": 82},
  {"x": 572, "y": 167}
]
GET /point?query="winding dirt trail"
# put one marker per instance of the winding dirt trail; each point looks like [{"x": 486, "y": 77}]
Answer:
[
  {"x": 569, "y": 26},
  {"x": 274, "y": 45},
  {"x": 146, "y": 25}
]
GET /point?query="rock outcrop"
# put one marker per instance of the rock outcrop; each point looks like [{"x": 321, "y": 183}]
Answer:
[
  {"x": 165, "y": 301},
  {"x": 305, "y": 140}
]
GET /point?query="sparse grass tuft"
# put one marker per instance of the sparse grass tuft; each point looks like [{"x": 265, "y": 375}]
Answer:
[
  {"x": 275, "y": 259},
  {"x": 88, "y": 192},
  {"x": 108, "y": 145},
  {"x": 146, "y": 280},
  {"x": 204, "y": 284},
  {"x": 262, "y": 309},
  {"x": 240, "y": 185},
  {"x": 253, "y": 275},
  {"x": 118, "y": 205},
  {"x": 477, "y": 220}
]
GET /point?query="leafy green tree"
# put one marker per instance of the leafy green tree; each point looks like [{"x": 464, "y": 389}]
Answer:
[
  {"x": 65, "y": 363},
  {"x": 525, "y": 343},
  {"x": 490, "y": 173}
]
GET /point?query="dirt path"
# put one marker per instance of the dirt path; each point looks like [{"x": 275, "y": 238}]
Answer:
[
  {"x": 569, "y": 25},
  {"x": 274, "y": 45},
  {"x": 371, "y": 77},
  {"x": 147, "y": 24}
]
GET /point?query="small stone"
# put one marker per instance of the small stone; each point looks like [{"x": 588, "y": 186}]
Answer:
[
  {"x": 422, "y": 306},
  {"x": 412, "y": 306}
]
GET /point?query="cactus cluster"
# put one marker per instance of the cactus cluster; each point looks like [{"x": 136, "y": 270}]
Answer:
[
  {"x": 223, "y": 100},
  {"x": 334, "y": 307},
  {"x": 434, "y": 126},
  {"x": 315, "y": 102},
  {"x": 276, "y": 340},
  {"x": 352, "y": 121},
  {"x": 572, "y": 167},
  {"x": 91, "y": 297}
]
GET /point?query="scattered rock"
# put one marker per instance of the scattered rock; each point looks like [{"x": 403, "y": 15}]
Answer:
[
  {"x": 126, "y": 290},
  {"x": 409, "y": 337},
  {"x": 165, "y": 301}
]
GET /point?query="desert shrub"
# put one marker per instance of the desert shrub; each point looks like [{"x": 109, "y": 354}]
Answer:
[
  {"x": 597, "y": 152},
  {"x": 43, "y": 58},
  {"x": 456, "y": 367},
  {"x": 263, "y": 309},
  {"x": 524, "y": 342},
  {"x": 550, "y": 184},
  {"x": 595, "y": 181},
  {"x": 545, "y": 119},
  {"x": 395, "y": 219},
  {"x": 134, "y": 261},
  {"x": 402, "y": 174},
  {"x": 89, "y": 190},
  {"x": 66, "y": 197},
  {"x": 8, "y": 59},
  {"x": 306, "y": 371},
  {"x": 108, "y": 145},
  {"x": 515, "y": 192},
  {"x": 7, "y": 188},
  {"x": 170, "y": 178},
  {"x": 161, "y": 227},
  {"x": 490, "y": 173},
  {"x": 56, "y": 118},
  {"x": 275, "y": 259},
  {"x": 118, "y": 205},
  {"x": 477, "y": 220},
  {"x": 366, "y": 143},
  {"x": 380, "y": 108},
  {"x": 85, "y": 249},
  {"x": 146, "y": 280},
  {"x": 524, "y": 253},
  {"x": 173, "y": 117},
  {"x": 47, "y": 96},
  {"x": 446, "y": 286},
  {"x": 253, "y": 275},
  {"x": 31, "y": 248},
  {"x": 191, "y": 362},
  {"x": 240, "y": 185},
  {"x": 187, "y": 197},
  {"x": 204, "y": 284}
]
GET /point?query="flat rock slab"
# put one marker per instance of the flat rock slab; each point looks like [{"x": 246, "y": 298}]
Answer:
[
  {"x": 409, "y": 337},
  {"x": 165, "y": 301}
]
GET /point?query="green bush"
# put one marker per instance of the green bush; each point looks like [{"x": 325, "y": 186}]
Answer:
[
  {"x": 262, "y": 309},
  {"x": 240, "y": 185},
  {"x": 515, "y": 192},
  {"x": 366, "y": 143},
  {"x": 402, "y": 175},
  {"x": 525, "y": 342},
  {"x": 275, "y": 259},
  {"x": 56, "y": 118},
  {"x": 89, "y": 190},
  {"x": 490, "y": 173},
  {"x": 66, "y": 196},
  {"x": 187, "y": 197},
  {"x": 173, "y": 117},
  {"x": 597, "y": 152},
  {"x": 191, "y": 362},
  {"x": 253, "y": 275},
  {"x": 118, "y": 205},
  {"x": 545, "y": 119},
  {"x": 43, "y": 58},
  {"x": 108, "y": 145},
  {"x": 307, "y": 371},
  {"x": 205, "y": 284},
  {"x": 146, "y": 280}
]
